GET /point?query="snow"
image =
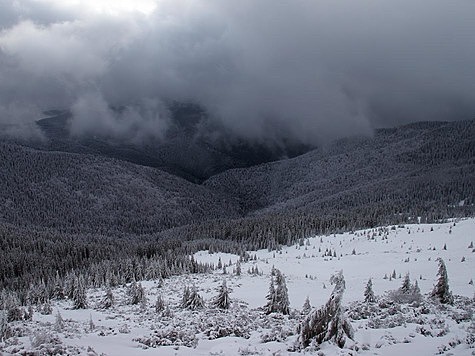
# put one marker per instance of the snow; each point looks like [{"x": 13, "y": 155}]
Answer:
[{"x": 378, "y": 252}]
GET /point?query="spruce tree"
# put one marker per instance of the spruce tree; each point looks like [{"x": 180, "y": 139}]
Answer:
[
  {"x": 108, "y": 299},
  {"x": 222, "y": 300},
  {"x": 159, "y": 304},
  {"x": 238, "y": 268},
  {"x": 282, "y": 297},
  {"x": 192, "y": 299},
  {"x": 79, "y": 294},
  {"x": 329, "y": 322},
  {"x": 441, "y": 289},
  {"x": 406, "y": 285},
  {"x": 306, "y": 308},
  {"x": 271, "y": 307},
  {"x": 368, "y": 293}
]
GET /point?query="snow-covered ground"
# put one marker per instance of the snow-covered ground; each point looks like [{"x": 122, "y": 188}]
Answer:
[{"x": 376, "y": 253}]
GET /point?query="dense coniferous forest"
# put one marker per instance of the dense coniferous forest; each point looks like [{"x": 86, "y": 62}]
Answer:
[{"x": 112, "y": 221}]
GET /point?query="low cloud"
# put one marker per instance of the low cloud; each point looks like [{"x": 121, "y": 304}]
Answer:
[{"x": 306, "y": 70}]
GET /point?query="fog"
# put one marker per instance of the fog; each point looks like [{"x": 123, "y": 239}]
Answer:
[{"x": 264, "y": 70}]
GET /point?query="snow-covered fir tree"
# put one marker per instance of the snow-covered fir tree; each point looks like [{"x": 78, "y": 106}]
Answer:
[
  {"x": 441, "y": 290},
  {"x": 306, "y": 308},
  {"x": 329, "y": 322},
  {"x": 368, "y": 293},
  {"x": 222, "y": 300},
  {"x": 59, "y": 322},
  {"x": 192, "y": 299},
  {"x": 185, "y": 297},
  {"x": 159, "y": 304},
  {"x": 238, "y": 268},
  {"x": 79, "y": 294},
  {"x": 270, "y": 307},
  {"x": 406, "y": 285},
  {"x": 277, "y": 298},
  {"x": 282, "y": 296},
  {"x": 108, "y": 299},
  {"x": 136, "y": 293}
]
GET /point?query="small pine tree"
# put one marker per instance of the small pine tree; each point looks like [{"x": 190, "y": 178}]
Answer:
[
  {"x": 368, "y": 293},
  {"x": 329, "y": 322},
  {"x": 185, "y": 297},
  {"x": 222, "y": 300},
  {"x": 441, "y": 289},
  {"x": 282, "y": 296},
  {"x": 238, "y": 268},
  {"x": 195, "y": 301},
  {"x": 270, "y": 307},
  {"x": 306, "y": 308},
  {"x": 108, "y": 299},
  {"x": 59, "y": 322},
  {"x": 159, "y": 304},
  {"x": 79, "y": 294},
  {"x": 92, "y": 326},
  {"x": 406, "y": 285}
]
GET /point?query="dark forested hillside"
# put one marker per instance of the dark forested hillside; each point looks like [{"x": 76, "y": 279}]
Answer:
[
  {"x": 97, "y": 211},
  {"x": 93, "y": 194},
  {"x": 420, "y": 168}
]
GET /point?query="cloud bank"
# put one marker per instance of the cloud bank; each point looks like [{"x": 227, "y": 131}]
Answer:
[{"x": 308, "y": 70}]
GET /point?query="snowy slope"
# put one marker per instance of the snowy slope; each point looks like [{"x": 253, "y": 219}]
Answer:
[{"x": 132, "y": 330}]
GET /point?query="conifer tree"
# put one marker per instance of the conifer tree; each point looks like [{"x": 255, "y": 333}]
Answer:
[
  {"x": 282, "y": 297},
  {"x": 108, "y": 300},
  {"x": 306, "y": 308},
  {"x": 192, "y": 299},
  {"x": 406, "y": 285},
  {"x": 368, "y": 293},
  {"x": 238, "y": 268},
  {"x": 329, "y": 322},
  {"x": 79, "y": 294},
  {"x": 222, "y": 300},
  {"x": 59, "y": 322},
  {"x": 159, "y": 304},
  {"x": 441, "y": 289},
  {"x": 270, "y": 307}
]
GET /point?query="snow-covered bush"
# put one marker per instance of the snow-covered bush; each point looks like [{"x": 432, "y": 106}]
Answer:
[{"x": 170, "y": 336}]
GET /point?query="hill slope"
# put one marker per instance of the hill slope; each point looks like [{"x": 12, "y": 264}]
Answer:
[
  {"x": 86, "y": 193},
  {"x": 417, "y": 168},
  {"x": 424, "y": 169}
]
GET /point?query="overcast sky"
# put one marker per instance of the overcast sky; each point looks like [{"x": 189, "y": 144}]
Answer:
[{"x": 314, "y": 69}]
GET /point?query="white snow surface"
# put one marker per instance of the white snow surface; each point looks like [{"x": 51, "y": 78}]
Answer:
[{"x": 378, "y": 252}]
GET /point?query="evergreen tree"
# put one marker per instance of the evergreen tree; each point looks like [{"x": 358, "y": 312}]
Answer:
[
  {"x": 159, "y": 304},
  {"x": 136, "y": 293},
  {"x": 79, "y": 294},
  {"x": 238, "y": 268},
  {"x": 222, "y": 300},
  {"x": 185, "y": 297},
  {"x": 406, "y": 285},
  {"x": 306, "y": 308},
  {"x": 441, "y": 289},
  {"x": 329, "y": 322},
  {"x": 59, "y": 322},
  {"x": 192, "y": 299},
  {"x": 368, "y": 293},
  {"x": 282, "y": 297},
  {"x": 108, "y": 300},
  {"x": 271, "y": 307},
  {"x": 277, "y": 298}
]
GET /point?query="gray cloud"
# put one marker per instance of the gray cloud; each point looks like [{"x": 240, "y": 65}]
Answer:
[{"x": 310, "y": 70}]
